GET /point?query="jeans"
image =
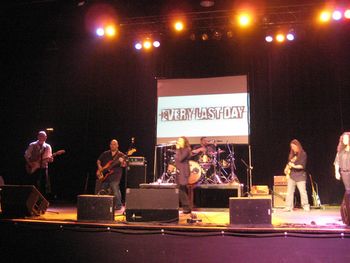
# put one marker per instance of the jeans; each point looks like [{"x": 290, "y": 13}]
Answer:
[
  {"x": 114, "y": 186},
  {"x": 290, "y": 194}
]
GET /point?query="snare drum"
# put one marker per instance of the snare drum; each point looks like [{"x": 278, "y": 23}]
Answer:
[{"x": 195, "y": 172}]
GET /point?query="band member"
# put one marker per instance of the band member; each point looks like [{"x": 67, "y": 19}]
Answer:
[
  {"x": 342, "y": 161},
  {"x": 296, "y": 176},
  {"x": 110, "y": 166},
  {"x": 182, "y": 157},
  {"x": 38, "y": 155},
  {"x": 204, "y": 150}
]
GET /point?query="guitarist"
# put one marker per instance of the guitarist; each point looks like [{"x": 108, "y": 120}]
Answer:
[
  {"x": 296, "y": 176},
  {"x": 39, "y": 153},
  {"x": 110, "y": 166}
]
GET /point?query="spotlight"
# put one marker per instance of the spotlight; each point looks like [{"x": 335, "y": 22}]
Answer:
[
  {"x": 179, "y": 26},
  {"x": 347, "y": 14},
  {"x": 217, "y": 35},
  {"x": 229, "y": 34},
  {"x": 147, "y": 44},
  {"x": 110, "y": 31},
  {"x": 193, "y": 36},
  {"x": 337, "y": 15},
  {"x": 138, "y": 45},
  {"x": 244, "y": 20},
  {"x": 100, "y": 32},
  {"x": 156, "y": 43},
  {"x": 290, "y": 36},
  {"x": 205, "y": 37},
  {"x": 280, "y": 38},
  {"x": 269, "y": 39},
  {"x": 325, "y": 16}
]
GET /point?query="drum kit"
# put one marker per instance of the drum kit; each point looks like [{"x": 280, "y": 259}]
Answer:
[{"x": 212, "y": 167}]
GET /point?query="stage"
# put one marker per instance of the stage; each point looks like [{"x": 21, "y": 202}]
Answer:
[{"x": 57, "y": 235}]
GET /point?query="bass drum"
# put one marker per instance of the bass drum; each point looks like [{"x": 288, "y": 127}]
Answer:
[{"x": 195, "y": 172}]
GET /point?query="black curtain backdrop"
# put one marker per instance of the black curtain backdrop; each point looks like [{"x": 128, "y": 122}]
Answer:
[{"x": 56, "y": 75}]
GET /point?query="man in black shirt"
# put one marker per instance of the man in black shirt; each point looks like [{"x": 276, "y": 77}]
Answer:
[{"x": 110, "y": 166}]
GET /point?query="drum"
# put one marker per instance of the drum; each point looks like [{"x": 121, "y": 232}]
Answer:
[
  {"x": 205, "y": 161},
  {"x": 225, "y": 164},
  {"x": 195, "y": 172},
  {"x": 171, "y": 169}
]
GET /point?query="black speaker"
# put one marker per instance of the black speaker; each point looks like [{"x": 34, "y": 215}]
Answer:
[
  {"x": 247, "y": 210},
  {"x": 95, "y": 208},
  {"x": 279, "y": 195},
  {"x": 22, "y": 200},
  {"x": 144, "y": 205},
  {"x": 135, "y": 175}
]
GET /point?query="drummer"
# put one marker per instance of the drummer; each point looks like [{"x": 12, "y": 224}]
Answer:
[{"x": 204, "y": 151}]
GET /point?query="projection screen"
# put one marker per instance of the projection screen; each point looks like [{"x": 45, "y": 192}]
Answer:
[{"x": 217, "y": 108}]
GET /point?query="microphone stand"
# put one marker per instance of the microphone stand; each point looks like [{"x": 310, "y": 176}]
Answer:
[{"x": 249, "y": 178}]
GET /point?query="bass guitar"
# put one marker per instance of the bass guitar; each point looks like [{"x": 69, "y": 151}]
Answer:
[
  {"x": 315, "y": 198},
  {"x": 31, "y": 167},
  {"x": 103, "y": 173}
]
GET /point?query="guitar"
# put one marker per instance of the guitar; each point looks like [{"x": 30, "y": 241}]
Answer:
[
  {"x": 315, "y": 198},
  {"x": 103, "y": 173},
  {"x": 288, "y": 168},
  {"x": 31, "y": 167}
]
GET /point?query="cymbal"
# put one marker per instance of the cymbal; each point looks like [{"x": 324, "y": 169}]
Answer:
[{"x": 217, "y": 152}]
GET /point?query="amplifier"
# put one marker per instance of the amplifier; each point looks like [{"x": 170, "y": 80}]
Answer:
[
  {"x": 280, "y": 180},
  {"x": 136, "y": 160}
]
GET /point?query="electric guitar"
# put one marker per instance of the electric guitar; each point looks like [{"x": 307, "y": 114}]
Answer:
[
  {"x": 315, "y": 198},
  {"x": 31, "y": 167},
  {"x": 288, "y": 168}
]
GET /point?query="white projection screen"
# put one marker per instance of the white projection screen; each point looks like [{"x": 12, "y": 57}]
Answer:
[{"x": 217, "y": 108}]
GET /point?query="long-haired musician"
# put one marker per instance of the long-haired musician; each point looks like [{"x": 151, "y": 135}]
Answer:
[
  {"x": 182, "y": 157},
  {"x": 296, "y": 176}
]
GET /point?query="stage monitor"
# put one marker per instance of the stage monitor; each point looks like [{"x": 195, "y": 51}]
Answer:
[{"x": 217, "y": 108}]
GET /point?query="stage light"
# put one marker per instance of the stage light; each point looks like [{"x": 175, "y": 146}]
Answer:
[
  {"x": 347, "y": 14},
  {"x": 337, "y": 15},
  {"x": 205, "y": 37},
  {"x": 244, "y": 20},
  {"x": 100, "y": 32},
  {"x": 290, "y": 36},
  {"x": 217, "y": 35},
  {"x": 110, "y": 31},
  {"x": 147, "y": 44},
  {"x": 229, "y": 34},
  {"x": 325, "y": 16},
  {"x": 138, "y": 45},
  {"x": 280, "y": 38},
  {"x": 179, "y": 26},
  {"x": 156, "y": 43},
  {"x": 269, "y": 39},
  {"x": 193, "y": 36}
]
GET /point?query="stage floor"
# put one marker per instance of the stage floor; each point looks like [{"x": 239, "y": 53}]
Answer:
[{"x": 326, "y": 219}]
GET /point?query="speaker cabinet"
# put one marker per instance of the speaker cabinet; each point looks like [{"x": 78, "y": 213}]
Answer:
[
  {"x": 247, "y": 210},
  {"x": 22, "y": 200},
  {"x": 279, "y": 195},
  {"x": 135, "y": 175},
  {"x": 95, "y": 208},
  {"x": 144, "y": 205}
]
